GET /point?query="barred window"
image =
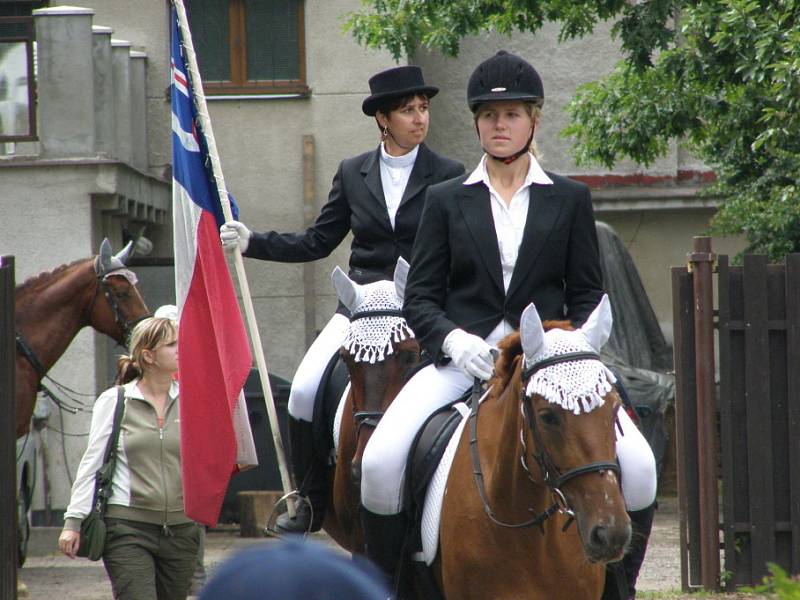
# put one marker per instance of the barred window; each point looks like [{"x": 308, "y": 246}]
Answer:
[{"x": 249, "y": 46}]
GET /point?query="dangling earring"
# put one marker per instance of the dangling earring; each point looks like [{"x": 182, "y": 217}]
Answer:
[{"x": 385, "y": 132}]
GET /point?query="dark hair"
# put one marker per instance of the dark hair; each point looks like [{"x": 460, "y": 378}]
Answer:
[{"x": 395, "y": 104}]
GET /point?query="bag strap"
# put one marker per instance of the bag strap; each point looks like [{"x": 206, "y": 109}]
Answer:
[
  {"x": 104, "y": 475},
  {"x": 111, "y": 448}
]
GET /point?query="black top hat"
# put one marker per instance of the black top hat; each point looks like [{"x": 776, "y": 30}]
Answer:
[{"x": 395, "y": 83}]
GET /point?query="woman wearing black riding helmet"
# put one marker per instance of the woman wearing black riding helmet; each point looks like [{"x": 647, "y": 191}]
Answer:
[
  {"x": 378, "y": 197},
  {"x": 489, "y": 243}
]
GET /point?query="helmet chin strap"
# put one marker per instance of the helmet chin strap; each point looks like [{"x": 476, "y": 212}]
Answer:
[{"x": 507, "y": 160}]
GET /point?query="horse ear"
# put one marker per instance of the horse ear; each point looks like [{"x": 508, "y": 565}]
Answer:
[
  {"x": 103, "y": 263},
  {"x": 531, "y": 332},
  {"x": 123, "y": 255},
  {"x": 349, "y": 291},
  {"x": 400, "y": 277},
  {"x": 597, "y": 327}
]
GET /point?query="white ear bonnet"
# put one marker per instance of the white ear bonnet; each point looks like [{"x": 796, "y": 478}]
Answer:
[
  {"x": 370, "y": 339},
  {"x": 576, "y": 385}
]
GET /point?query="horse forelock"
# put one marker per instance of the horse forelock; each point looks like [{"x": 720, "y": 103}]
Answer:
[{"x": 510, "y": 352}]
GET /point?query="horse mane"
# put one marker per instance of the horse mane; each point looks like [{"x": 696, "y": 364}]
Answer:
[
  {"x": 36, "y": 281},
  {"x": 510, "y": 352}
]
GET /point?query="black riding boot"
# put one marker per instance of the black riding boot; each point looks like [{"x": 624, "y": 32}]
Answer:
[
  {"x": 384, "y": 536},
  {"x": 311, "y": 479},
  {"x": 621, "y": 577}
]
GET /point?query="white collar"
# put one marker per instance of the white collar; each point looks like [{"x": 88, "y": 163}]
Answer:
[
  {"x": 535, "y": 173},
  {"x": 398, "y": 162},
  {"x": 132, "y": 390}
]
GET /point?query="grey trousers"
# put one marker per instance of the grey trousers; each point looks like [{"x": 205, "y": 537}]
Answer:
[{"x": 149, "y": 562}]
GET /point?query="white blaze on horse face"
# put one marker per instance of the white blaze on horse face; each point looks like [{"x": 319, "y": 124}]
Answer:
[
  {"x": 350, "y": 293},
  {"x": 597, "y": 327},
  {"x": 531, "y": 332},
  {"x": 400, "y": 277}
]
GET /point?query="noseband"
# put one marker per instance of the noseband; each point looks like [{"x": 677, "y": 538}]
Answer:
[
  {"x": 552, "y": 475},
  {"x": 371, "y": 418}
]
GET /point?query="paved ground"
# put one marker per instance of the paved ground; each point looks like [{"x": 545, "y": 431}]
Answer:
[{"x": 49, "y": 575}]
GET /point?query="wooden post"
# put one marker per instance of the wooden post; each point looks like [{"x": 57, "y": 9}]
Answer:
[
  {"x": 701, "y": 263},
  {"x": 309, "y": 214},
  {"x": 8, "y": 434}
]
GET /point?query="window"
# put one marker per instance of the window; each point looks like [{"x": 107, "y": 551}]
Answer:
[
  {"x": 17, "y": 85},
  {"x": 249, "y": 46}
]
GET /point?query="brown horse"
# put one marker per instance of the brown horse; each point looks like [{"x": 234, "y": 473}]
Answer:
[
  {"x": 50, "y": 309},
  {"x": 544, "y": 462},
  {"x": 379, "y": 352}
]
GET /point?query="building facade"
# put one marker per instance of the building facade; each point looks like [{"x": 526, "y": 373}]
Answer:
[{"x": 284, "y": 86}]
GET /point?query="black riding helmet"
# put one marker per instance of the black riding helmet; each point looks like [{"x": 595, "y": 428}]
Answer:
[{"x": 504, "y": 76}]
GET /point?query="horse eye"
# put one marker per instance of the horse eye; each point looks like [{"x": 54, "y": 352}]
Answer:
[
  {"x": 548, "y": 418},
  {"x": 409, "y": 357}
]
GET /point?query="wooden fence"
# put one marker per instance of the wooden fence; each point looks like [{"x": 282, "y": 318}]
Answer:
[
  {"x": 755, "y": 440},
  {"x": 8, "y": 463}
]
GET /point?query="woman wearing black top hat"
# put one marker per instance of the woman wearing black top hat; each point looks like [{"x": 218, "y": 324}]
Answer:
[
  {"x": 489, "y": 243},
  {"x": 378, "y": 196}
]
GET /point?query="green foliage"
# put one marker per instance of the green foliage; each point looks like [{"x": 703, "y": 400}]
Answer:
[
  {"x": 723, "y": 76},
  {"x": 780, "y": 584}
]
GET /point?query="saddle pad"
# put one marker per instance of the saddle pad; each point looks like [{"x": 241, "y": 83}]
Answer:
[
  {"x": 432, "y": 512},
  {"x": 337, "y": 421}
]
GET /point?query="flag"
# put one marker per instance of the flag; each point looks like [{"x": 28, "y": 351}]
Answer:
[{"x": 213, "y": 349}]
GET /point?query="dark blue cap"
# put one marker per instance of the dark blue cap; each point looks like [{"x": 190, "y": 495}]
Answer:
[{"x": 292, "y": 569}]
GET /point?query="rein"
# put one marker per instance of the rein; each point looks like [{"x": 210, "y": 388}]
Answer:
[
  {"x": 371, "y": 418},
  {"x": 552, "y": 475}
]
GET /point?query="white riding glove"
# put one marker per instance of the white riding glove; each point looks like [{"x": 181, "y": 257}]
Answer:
[
  {"x": 234, "y": 233},
  {"x": 470, "y": 353}
]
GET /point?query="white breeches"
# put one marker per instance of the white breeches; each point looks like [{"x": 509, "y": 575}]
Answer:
[
  {"x": 384, "y": 461},
  {"x": 309, "y": 373}
]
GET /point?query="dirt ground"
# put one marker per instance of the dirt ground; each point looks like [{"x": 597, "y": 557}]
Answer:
[{"x": 49, "y": 575}]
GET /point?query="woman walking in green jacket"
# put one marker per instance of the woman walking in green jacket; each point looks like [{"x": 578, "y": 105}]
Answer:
[{"x": 151, "y": 545}]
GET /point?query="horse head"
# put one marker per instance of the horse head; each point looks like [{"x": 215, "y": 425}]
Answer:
[
  {"x": 570, "y": 405},
  {"x": 125, "y": 306},
  {"x": 379, "y": 350}
]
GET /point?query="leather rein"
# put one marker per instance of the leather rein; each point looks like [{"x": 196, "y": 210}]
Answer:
[
  {"x": 371, "y": 418},
  {"x": 552, "y": 475}
]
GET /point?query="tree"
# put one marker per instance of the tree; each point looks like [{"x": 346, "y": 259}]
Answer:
[{"x": 723, "y": 76}]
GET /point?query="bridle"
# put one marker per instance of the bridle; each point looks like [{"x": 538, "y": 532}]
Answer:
[
  {"x": 371, "y": 418},
  {"x": 125, "y": 326},
  {"x": 551, "y": 474}
]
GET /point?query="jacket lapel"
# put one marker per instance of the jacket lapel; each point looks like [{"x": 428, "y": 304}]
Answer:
[
  {"x": 371, "y": 172},
  {"x": 477, "y": 212},
  {"x": 421, "y": 174},
  {"x": 543, "y": 211}
]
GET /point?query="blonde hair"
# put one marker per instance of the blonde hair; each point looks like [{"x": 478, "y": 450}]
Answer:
[
  {"x": 534, "y": 110},
  {"x": 147, "y": 335}
]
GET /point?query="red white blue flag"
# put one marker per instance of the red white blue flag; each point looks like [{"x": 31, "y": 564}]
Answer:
[{"x": 213, "y": 349}]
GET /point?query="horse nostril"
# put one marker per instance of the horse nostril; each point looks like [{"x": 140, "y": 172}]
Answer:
[{"x": 599, "y": 536}]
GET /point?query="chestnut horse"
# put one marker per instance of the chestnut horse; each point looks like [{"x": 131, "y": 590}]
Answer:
[
  {"x": 379, "y": 351},
  {"x": 50, "y": 309},
  {"x": 541, "y": 463}
]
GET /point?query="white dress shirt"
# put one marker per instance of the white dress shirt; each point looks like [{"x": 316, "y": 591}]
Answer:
[
  {"x": 509, "y": 224},
  {"x": 395, "y": 171}
]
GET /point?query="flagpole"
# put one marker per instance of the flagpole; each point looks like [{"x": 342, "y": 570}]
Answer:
[{"x": 244, "y": 287}]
